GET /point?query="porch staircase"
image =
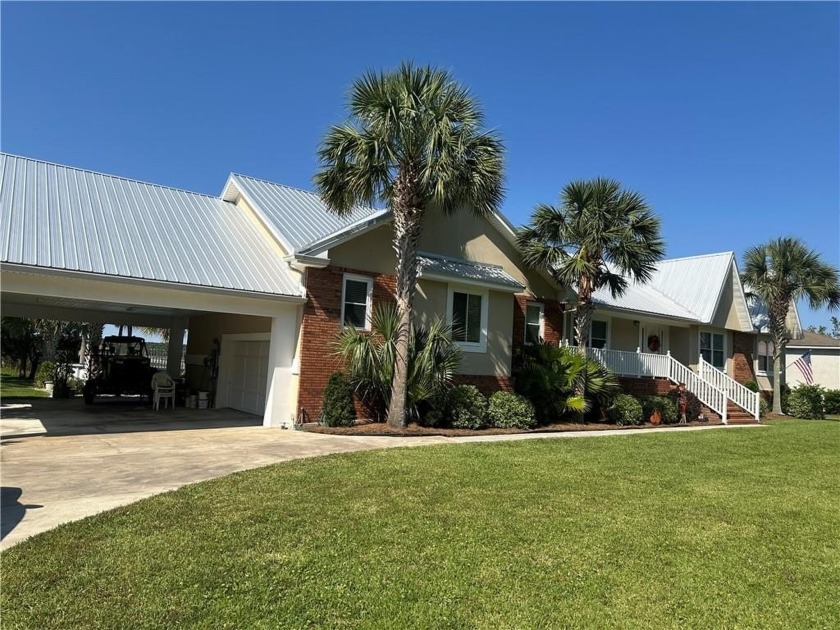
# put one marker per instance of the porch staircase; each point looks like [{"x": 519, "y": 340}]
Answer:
[{"x": 721, "y": 395}]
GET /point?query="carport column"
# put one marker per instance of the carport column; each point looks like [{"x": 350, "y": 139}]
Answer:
[
  {"x": 284, "y": 334},
  {"x": 175, "y": 349}
]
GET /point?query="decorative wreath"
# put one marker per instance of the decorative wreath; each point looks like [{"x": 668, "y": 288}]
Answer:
[{"x": 653, "y": 343}]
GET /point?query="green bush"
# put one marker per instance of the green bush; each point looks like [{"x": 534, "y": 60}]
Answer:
[
  {"x": 625, "y": 410},
  {"x": 509, "y": 411},
  {"x": 667, "y": 408},
  {"x": 806, "y": 401},
  {"x": 785, "y": 398},
  {"x": 338, "y": 409},
  {"x": 832, "y": 401},
  {"x": 466, "y": 408},
  {"x": 752, "y": 386},
  {"x": 763, "y": 407},
  {"x": 46, "y": 372}
]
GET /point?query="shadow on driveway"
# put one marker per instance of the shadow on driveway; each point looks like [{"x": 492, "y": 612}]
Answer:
[{"x": 12, "y": 510}]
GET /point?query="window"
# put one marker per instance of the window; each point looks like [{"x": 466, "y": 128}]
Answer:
[
  {"x": 355, "y": 301},
  {"x": 711, "y": 349},
  {"x": 468, "y": 316},
  {"x": 533, "y": 323},
  {"x": 598, "y": 334},
  {"x": 765, "y": 356}
]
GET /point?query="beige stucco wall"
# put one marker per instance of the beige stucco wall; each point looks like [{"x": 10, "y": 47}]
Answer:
[
  {"x": 680, "y": 344},
  {"x": 625, "y": 334},
  {"x": 204, "y": 328},
  {"x": 431, "y": 302},
  {"x": 825, "y": 363},
  {"x": 726, "y": 315},
  {"x": 461, "y": 236}
]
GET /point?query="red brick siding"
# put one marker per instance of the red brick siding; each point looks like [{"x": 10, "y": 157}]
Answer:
[
  {"x": 487, "y": 385},
  {"x": 644, "y": 386},
  {"x": 321, "y": 323},
  {"x": 742, "y": 357},
  {"x": 552, "y": 314}
]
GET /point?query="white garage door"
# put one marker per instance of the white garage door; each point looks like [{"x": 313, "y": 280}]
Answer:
[{"x": 247, "y": 374}]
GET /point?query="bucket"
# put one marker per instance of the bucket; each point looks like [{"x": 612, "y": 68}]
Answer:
[
  {"x": 203, "y": 396},
  {"x": 202, "y": 404},
  {"x": 192, "y": 401}
]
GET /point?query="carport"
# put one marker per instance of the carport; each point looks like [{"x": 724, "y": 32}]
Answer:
[{"x": 81, "y": 246}]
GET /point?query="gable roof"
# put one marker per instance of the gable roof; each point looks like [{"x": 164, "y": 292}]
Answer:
[
  {"x": 814, "y": 340},
  {"x": 64, "y": 218},
  {"x": 297, "y": 218},
  {"x": 760, "y": 316},
  {"x": 684, "y": 288}
]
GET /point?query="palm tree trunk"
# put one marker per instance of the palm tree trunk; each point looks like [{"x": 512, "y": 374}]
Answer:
[
  {"x": 408, "y": 216},
  {"x": 777, "y": 384}
]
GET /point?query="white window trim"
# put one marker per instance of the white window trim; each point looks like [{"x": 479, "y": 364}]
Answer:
[
  {"x": 700, "y": 348},
  {"x": 368, "y": 306},
  {"x": 758, "y": 356},
  {"x": 467, "y": 346},
  {"x": 607, "y": 341},
  {"x": 541, "y": 306}
]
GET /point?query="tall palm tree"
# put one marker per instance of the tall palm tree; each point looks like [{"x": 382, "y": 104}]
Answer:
[
  {"x": 597, "y": 237},
  {"x": 780, "y": 272},
  {"x": 414, "y": 141}
]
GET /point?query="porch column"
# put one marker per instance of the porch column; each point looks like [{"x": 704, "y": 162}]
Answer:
[
  {"x": 279, "y": 409},
  {"x": 175, "y": 348}
]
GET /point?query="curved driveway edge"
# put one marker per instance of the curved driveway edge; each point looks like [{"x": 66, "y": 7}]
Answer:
[{"x": 51, "y": 480}]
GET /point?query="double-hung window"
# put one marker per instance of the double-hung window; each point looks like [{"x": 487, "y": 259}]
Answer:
[
  {"x": 598, "y": 334},
  {"x": 765, "y": 356},
  {"x": 534, "y": 318},
  {"x": 468, "y": 317},
  {"x": 711, "y": 349},
  {"x": 356, "y": 301}
]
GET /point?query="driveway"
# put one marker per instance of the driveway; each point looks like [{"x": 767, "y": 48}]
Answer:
[{"x": 62, "y": 461}]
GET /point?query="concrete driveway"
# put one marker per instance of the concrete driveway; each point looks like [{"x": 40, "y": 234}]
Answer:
[{"x": 62, "y": 461}]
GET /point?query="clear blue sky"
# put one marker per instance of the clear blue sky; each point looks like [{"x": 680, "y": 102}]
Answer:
[{"x": 725, "y": 116}]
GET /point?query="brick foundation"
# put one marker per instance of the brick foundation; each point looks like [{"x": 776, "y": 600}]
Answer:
[
  {"x": 642, "y": 387},
  {"x": 487, "y": 385},
  {"x": 742, "y": 357}
]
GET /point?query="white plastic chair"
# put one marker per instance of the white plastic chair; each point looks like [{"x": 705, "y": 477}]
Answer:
[{"x": 164, "y": 389}]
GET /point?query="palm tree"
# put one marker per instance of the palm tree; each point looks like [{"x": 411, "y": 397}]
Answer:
[
  {"x": 414, "y": 142},
  {"x": 780, "y": 272},
  {"x": 597, "y": 237}
]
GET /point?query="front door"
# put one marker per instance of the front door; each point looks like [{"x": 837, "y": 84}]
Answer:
[{"x": 652, "y": 338}]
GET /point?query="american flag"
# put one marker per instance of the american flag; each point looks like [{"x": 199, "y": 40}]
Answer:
[{"x": 804, "y": 365}]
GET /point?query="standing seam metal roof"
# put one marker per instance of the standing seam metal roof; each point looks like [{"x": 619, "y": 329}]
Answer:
[
  {"x": 489, "y": 274},
  {"x": 299, "y": 217},
  {"x": 67, "y": 218}
]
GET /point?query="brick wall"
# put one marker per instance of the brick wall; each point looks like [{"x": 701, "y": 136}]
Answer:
[
  {"x": 644, "y": 386},
  {"x": 742, "y": 357},
  {"x": 487, "y": 385},
  {"x": 321, "y": 323},
  {"x": 552, "y": 314}
]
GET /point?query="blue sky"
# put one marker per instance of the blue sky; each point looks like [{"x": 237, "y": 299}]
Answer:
[{"x": 725, "y": 116}]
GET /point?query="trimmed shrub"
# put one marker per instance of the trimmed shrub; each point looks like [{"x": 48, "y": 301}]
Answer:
[
  {"x": 667, "y": 409},
  {"x": 509, "y": 411},
  {"x": 763, "y": 408},
  {"x": 625, "y": 410},
  {"x": 466, "y": 407},
  {"x": 751, "y": 385},
  {"x": 46, "y": 372},
  {"x": 806, "y": 401},
  {"x": 831, "y": 401},
  {"x": 785, "y": 398},
  {"x": 338, "y": 409}
]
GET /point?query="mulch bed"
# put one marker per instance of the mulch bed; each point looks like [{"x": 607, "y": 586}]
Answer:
[{"x": 414, "y": 430}]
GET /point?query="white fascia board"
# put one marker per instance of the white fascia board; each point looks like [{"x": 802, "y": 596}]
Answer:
[
  {"x": 622, "y": 312},
  {"x": 740, "y": 297},
  {"x": 347, "y": 233},
  {"x": 301, "y": 262}
]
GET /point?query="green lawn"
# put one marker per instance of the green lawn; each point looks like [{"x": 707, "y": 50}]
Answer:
[
  {"x": 13, "y": 387},
  {"x": 728, "y": 528}
]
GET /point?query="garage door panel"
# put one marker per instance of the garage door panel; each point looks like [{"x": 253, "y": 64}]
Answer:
[{"x": 247, "y": 375}]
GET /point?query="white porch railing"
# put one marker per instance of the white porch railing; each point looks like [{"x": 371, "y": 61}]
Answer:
[
  {"x": 737, "y": 393},
  {"x": 639, "y": 364}
]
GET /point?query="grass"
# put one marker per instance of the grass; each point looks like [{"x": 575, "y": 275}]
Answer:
[
  {"x": 726, "y": 528},
  {"x": 13, "y": 387}
]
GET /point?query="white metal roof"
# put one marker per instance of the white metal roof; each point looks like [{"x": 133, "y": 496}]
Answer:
[
  {"x": 686, "y": 288},
  {"x": 67, "y": 218},
  {"x": 431, "y": 266},
  {"x": 297, "y": 218}
]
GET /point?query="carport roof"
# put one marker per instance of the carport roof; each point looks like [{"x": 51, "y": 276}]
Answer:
[{"x": 63, "y": 218}]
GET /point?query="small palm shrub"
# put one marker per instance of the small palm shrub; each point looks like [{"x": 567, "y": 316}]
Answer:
[
  {"x": 337, "y": 409},
  {"x": 625, "y": 410},
  {"x": 831, "y": 400},
  {"x": 667, "y": 408},
  {"x": 549, "y": 376},
  {"x": 806, "y": 401},
  {"x": 433, "y": 359},
  {"x": 509, "y": 411}
]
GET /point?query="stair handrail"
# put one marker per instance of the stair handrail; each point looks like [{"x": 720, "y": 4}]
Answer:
[
  {"x": 742, "y": 396},
  {"x": 707, "y": 393}
]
